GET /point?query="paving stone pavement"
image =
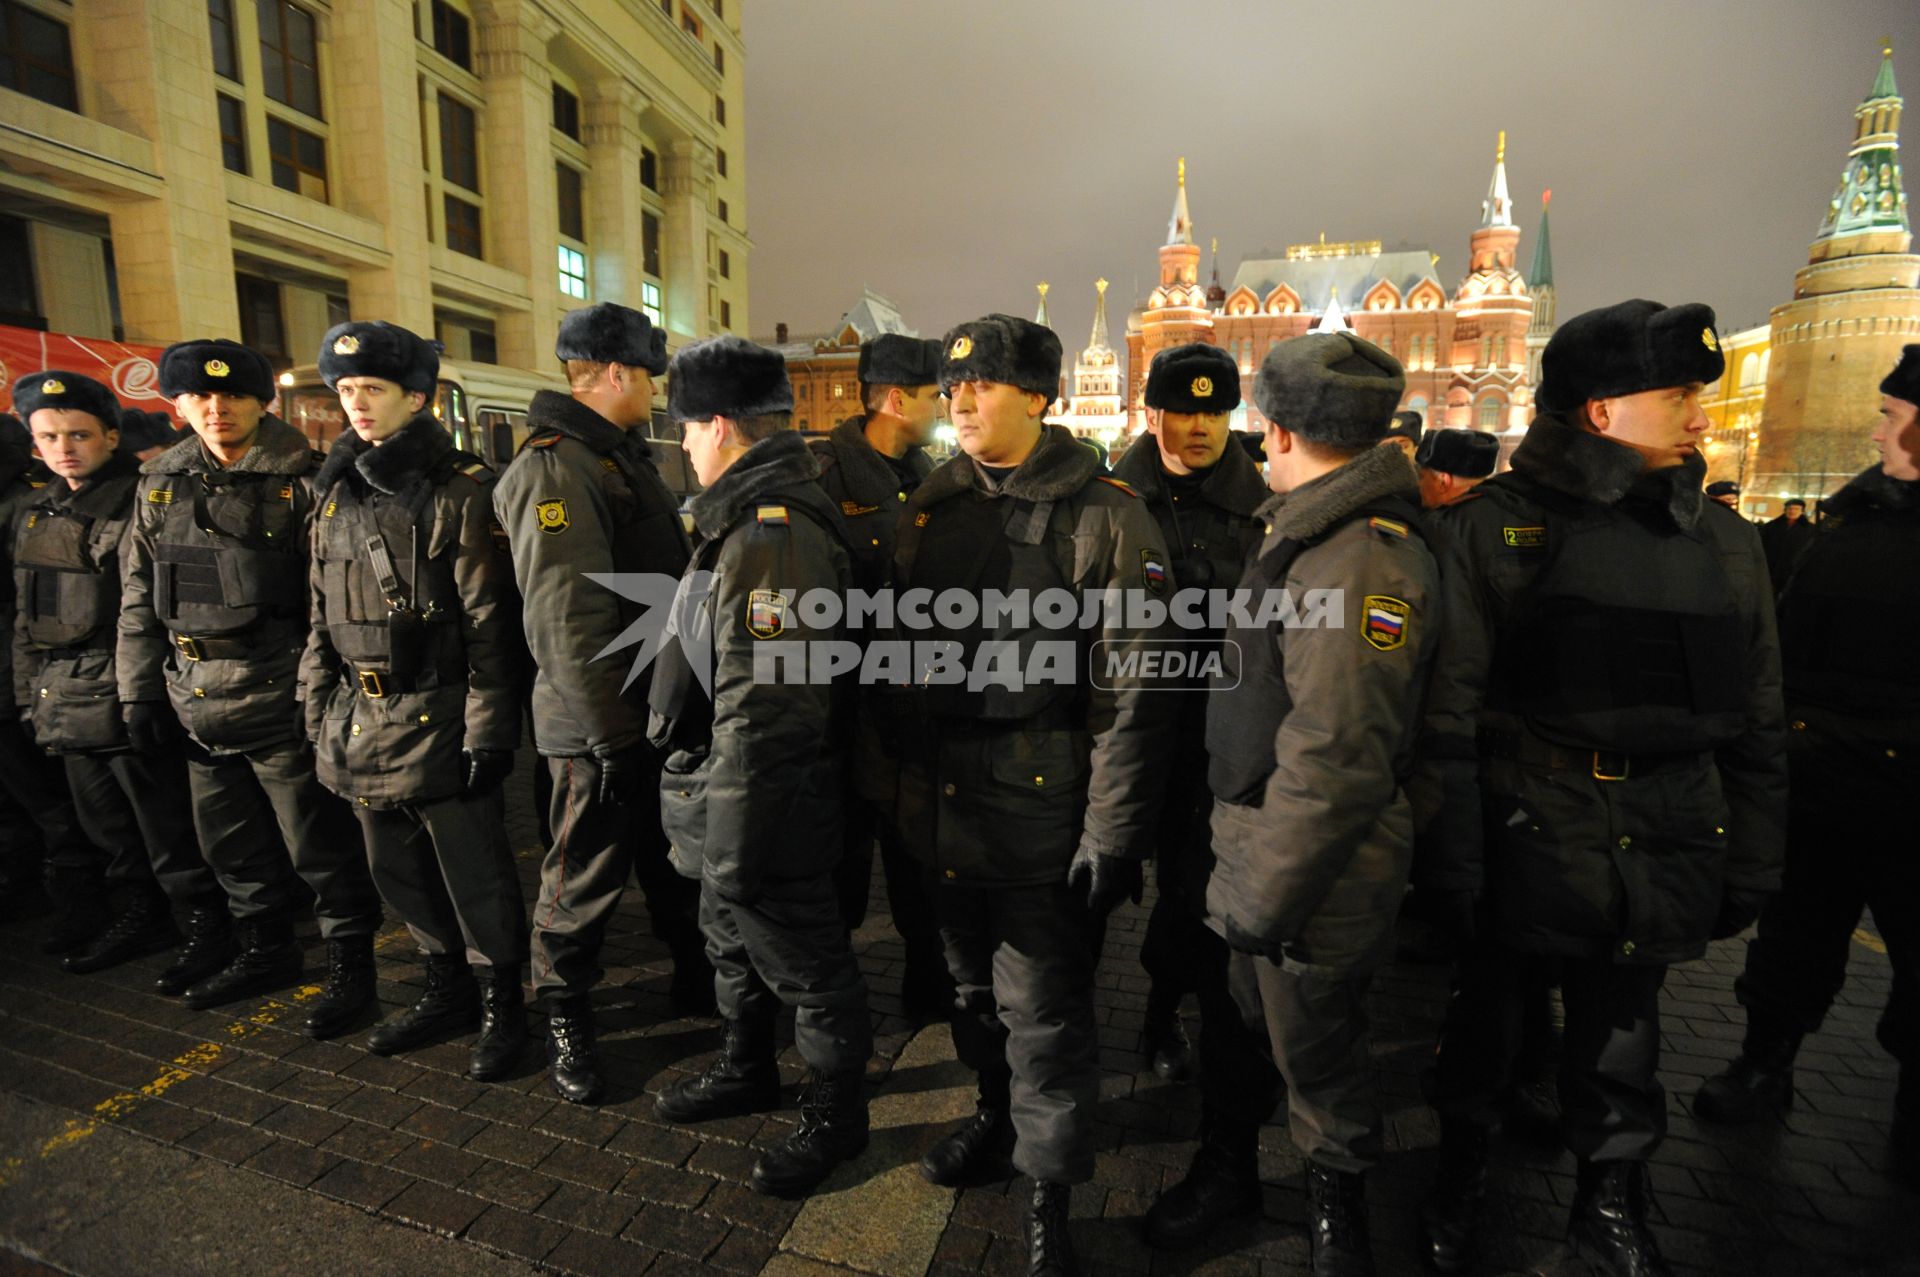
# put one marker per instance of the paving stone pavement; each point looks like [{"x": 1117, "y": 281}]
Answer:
[{"x": 139, "y": 1137}]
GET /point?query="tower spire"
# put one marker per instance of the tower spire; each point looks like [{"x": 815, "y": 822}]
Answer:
[
  {"x": 1040, "y": 316},
  {"x": 1869, "y": 199},
  {"x": 1099, "y": 339},
  {"x": 1497, "y": 208},
  {"x": 1180, "y": 225},
  {"x": 1541, "y": 276}
]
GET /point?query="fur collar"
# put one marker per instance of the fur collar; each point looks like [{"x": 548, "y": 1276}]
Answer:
[
  {"x": 551, "y": 410},
  {"x": 1058, "y": 467},
  {"x": 1561, "y": 455},
  {"x": 780, "y": 461},
  {"x": 99, "y": 494},
  {"x": 1870, "y": 490},
  {"x": 277, "y": 449},
  {"x": 1313, "y": 507},
  {"x": 868, "y": 472},
  {"x": 1234, "y": 484},
  {"x": 409, "y": 455}
]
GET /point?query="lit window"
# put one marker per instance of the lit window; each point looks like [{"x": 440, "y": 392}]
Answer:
[
  {"x": 573, "y": 272},
  {"x": 650, "y": 303}
]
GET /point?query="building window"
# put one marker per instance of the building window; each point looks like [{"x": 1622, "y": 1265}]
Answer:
[
  {"x": 36, "y": 56},
  {"x": 726, "y": 314},
  {"x": 719, "y": 110},
  {"x": 220, "y": 25},
  {"x": 459, "y": 147},
  {"x": 482, "y": 346},
  {"x": 233, "y": 133},
  {"x": 723, "y": 209},
  {"x": 566, "y": 181},
  {"x": 289, "y": 56},
  {"x": 19, "y": 300},
  {"x": 719, "y": 8},
  {"x": 573, "y": 272},
  {"x": 463, "y": 226},
  {"x": 649, "y": 170},
  {"x": 689, "y": 23},
  {"x": 726, "y": 265},
  {"x": 650, "y": 244},
  {"x": 566, "y": 112},
  {"x": 666, "y": 7},
  {"x": 719, "y": 57},
  {"x": 452, "y": 35},
  {"x": 1490, "y": 413},
  {"x": 720, "y": 162},
  {"x": 650, "y": 303},
  {"x": 299, "y": 159},
  {"x": 261, "y": 325}
]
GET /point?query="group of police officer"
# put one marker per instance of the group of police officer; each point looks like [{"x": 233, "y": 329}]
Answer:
[{"x": 1552, "y": 699}]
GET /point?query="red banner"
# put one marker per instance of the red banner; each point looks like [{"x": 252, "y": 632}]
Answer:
[{"x": 132, "y": 372}]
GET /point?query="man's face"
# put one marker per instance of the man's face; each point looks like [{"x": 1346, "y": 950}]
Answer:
[
  {"x": 1401, "y": 442},
  {"x": 1437, "y": 488},
  {"x": 1898, "y": 435},
  {"x": 73, "y": 443},
  {"x": 1731, "y": 500},
  {"x": 1189, "y": 441},
  {"x": 704, "y": 443},
  {"x": 1795, "y": 512},
  {"x": 376, "y": 408},
  {"x": 221, "y": 420},
  {"x": 919, "y": 409},
  {"x": 1664, "y": 426},
  {"x": 633, "y": 394},
  {"x": 996, "y": 424}
]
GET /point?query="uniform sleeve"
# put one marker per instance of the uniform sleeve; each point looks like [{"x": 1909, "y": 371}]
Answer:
[
  {"x": 18, "y": 672},
  {"x": 1445, "y": 787},
  {"x": 1132, "y": 723},
  {"x": 484, "y": 580},
  {"x": 320, "y": 663},
  {"x": 1753, "y": 769},
  {"x": 141, "y": 654},
  {"x": 569, "y": 619}
]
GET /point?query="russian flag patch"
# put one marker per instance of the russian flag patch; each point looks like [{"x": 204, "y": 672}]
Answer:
[{"x": 1384, "y": 621}]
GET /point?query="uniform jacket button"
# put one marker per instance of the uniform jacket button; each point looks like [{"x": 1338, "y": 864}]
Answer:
[
  {"x": 1627, "y": 948},
  {"x": 952, "y": 874},
  {"x": 1798, "y": 725},
  {"x": 1625, "y": 842},
  {"x": 949, "y": 791}
]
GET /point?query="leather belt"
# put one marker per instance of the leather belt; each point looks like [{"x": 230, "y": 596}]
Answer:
[
  {"x": 379, "y": 684},
  {"x": 215, "y": 649},
  {"x": 1601, "y": 764}
]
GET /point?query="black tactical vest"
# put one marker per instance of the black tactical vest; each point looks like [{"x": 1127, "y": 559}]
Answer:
[
  {"x": 227, "y": 553},
  {"x": 1848, "y": 618},
  {"x": 386, "y": 566},
  {"x": 69, "y": 562}
]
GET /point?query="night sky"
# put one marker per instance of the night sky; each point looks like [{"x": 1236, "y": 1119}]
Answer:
[{"x": 949, "y": 155}]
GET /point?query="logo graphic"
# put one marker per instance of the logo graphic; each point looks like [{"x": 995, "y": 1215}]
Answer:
[
  {"x": 216, "y": 368},
  {"x": 670, "y": 609},
  {"x": 961, "y": 348},
  {"x": 1524, "y": 538},
  {"x": 1386, "y": 620},
  {"x": 1202, "y": 387},
  {"x": 346, "y": 344},
  {"x": 551, "y": 515},
  {"x": 53, "y": 386}
]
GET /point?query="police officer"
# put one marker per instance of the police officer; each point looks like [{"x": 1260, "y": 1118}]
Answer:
[
  {"x": 1406, "y": 433},
  {"x": 1453, "y": 462},
  {"x": 1032, "y": 802},
  {"x": 1202, "y": 492},
  {"x": 67, "y": 543},
  {"x": 214, "y": 618},
  {"x": 410, "y": 685},
  {"x": 1785, "y": 538},
  {"x": 869, "y": 465},
  {"x": 1853, "y": 709},
  {"x": 752, "y": 789},
  {"x": 1602, "y": 776},
  {"x": 583, "y": 497}
]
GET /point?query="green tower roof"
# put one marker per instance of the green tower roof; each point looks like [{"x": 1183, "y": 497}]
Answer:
[
  {"x": 1883, "y": 86},
  {"x": 1541, "y": 276}
]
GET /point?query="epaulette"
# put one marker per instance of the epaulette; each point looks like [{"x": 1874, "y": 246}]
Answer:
[
  {"x": 1121, "y": 484},
  {"x": 474, "y": 469},
  {"x": 771, "y": 514},
  {"x": 1392, "y": 527},
  {"x": 541, "y": 441}
]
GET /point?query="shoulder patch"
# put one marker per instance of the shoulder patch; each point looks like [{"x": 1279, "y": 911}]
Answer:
[
  {"x": 766, "y": 613},
  {"x": 771, "y": 514},
  {"x": 550, "y": 516},
  {"x": 1385, "y": 621},
  {"x": 610, "y": 465},
  {"x": 1392, "y": 527},
  {"x": 1153, "y": 571},
  {"x": 1121, "y": 484},
  {"x": 1528, "y": 538}
]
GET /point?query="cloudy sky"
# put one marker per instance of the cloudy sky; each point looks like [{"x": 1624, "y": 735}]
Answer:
[{"x": 948, "y": 155}]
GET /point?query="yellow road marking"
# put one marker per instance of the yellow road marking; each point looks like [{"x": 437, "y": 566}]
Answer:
[{"x": 1862, "y": 936}]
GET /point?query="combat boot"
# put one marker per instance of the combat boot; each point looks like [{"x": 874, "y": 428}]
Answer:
[
  {"x": 1608, "y": 1229},
  {"x": 1163, "y": 1037},
  {"x": 572, "y": 1066},
  {"x": 741, "y": 1079},
  {"x": 267, "y": 959},
  {"x": 832, "y": 1129},
  {"x": 1759, "y": 1079},
  {"x": 349, "y": 995},
  {"x": 143, "y": 926},
  {"x": 1222, "y": 1182},
  {"x": 1337, "y": 1222},
  {"x": 209, "y": 947},
  {"x": 1450, "y": 1217},
  {"x": 81, "y": 898},
  {"x": 446, "y": 1008},
  {"x": 503, "y": 1023},
  {"x": 980, "y": 1152},
  {"x": 1049, "y": 1241}
]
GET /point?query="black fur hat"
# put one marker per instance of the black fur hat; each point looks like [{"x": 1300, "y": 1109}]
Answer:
[
  {"x": 1904, "y": 381},
  {"x": 727, "y": 376},
  {"x": 893, "y": 360},
  {"x": 1002, "y": 348},
  {"x": 609, "y": 333},
  {"x": 1408, "y": 425},
  {"x": 1723, "y": 488},
  {"x": 57, "y": 388},
  {"x": 1626, "y": 348},
  {"x": 216, "y": 364},
  {"x": 1469, "y": 454},
  {"x": 142, "y": 430},
  {"x": 375, "y": 348},
  {"x": 1331, "y": 388},
  {"x": 1193, "y": 378}
]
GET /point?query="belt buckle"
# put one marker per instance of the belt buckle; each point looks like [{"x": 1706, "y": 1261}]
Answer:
[
  {"x": 188, "y": 646},
  {"x": 370, "y": 685},
  {"x": 1601, "y": 770}
]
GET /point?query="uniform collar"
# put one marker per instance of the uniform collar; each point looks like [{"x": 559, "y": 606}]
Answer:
[
  {"x": 1560, "y": 454},
  {"x": 277, "y": 449},
  {"x": 780, "y": 461},
  {"x": 409, "y": 455}
]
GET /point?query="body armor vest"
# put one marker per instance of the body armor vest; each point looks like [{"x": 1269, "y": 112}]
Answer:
[
  {"x": 68, "y": 557},
  {"x": 227, "y": 553},
  {"x": 1857, "y": 586},
  {"x": 386, "y": 566}
]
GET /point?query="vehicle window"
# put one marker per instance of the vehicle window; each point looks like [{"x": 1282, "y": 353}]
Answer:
[
  {"x": 497, "y": 434},
  {"x": 450, "y": 406},
  {"x": 314, "y": 411}
]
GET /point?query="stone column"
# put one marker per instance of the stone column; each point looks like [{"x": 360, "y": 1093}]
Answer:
[
  {"x": 687, "y": 185},
  {"x": 522, "y": 226},
  {"x": 615, "y": 247}
]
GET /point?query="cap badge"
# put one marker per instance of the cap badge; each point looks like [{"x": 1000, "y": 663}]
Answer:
[
  {"x": 217, "y": 368},
  {"x": 53, "y": 386},
  {"x": 961, "y": 348},
  {"x": 1202, "y": 387},
  {"x": 346, "y": 344},
  {"x": 1708, "y": 340}
]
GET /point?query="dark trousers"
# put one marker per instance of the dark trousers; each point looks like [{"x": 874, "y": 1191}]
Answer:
[
  {"x": 1021, "y": 962},
  {"x": 137, "y": 807},
  {"x": 266, "y": 824},
  {"x": 39, "y": 785},
  {"x": 1613, "y": 1108},
  {"x": 1171, "y": 952},
  {"x": 787, "y": 946},
  {"x": 907, "y": 898},
  {"x": 445, "y": 867},
  {"x": 1849, "y": 847},
  {"x": 595, "y": 847}
]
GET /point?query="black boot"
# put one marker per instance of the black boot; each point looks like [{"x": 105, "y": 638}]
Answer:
[
  {"x": 1049, "y": 1243},
  {"x": 144, "y": 926},
  {"x": 1337, "y": 1222},
  {"x": 348, "y": 997},
  {"x": 1609, "y": 1226},
  {"x": 81, "y": 898},
  {"x": 1450, "y": 1217},
  {"x": 832, "y": 1129},
  {"x": 1163, "y": 1037},
  {"x": 741, "y": 1079},
  {"x": 1222, "y": 1182},
  {"x": 1760, "y": 1078},
  {"x": 503, "y": 1023},
  {"x": 979, "y": 1152},
  {"x": 571, "y": 1063},
  {"x": 448, "y": 1007},
  {"x": 267, "y": 959},
  {"x": 209, "y": 947}
]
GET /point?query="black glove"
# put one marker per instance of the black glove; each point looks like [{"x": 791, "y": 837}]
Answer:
[
  {"x": 488, "y": 769},
  {"x": 1738, "y": 909},
  {"x": 620, "y": 771},
  {"x": 1253, "y": 946},
  {"x": 1104, "y": 880},
  {"x": 152, "y": 728}
]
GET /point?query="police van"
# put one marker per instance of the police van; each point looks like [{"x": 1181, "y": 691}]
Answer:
[{"x": 484, "y": 408}]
